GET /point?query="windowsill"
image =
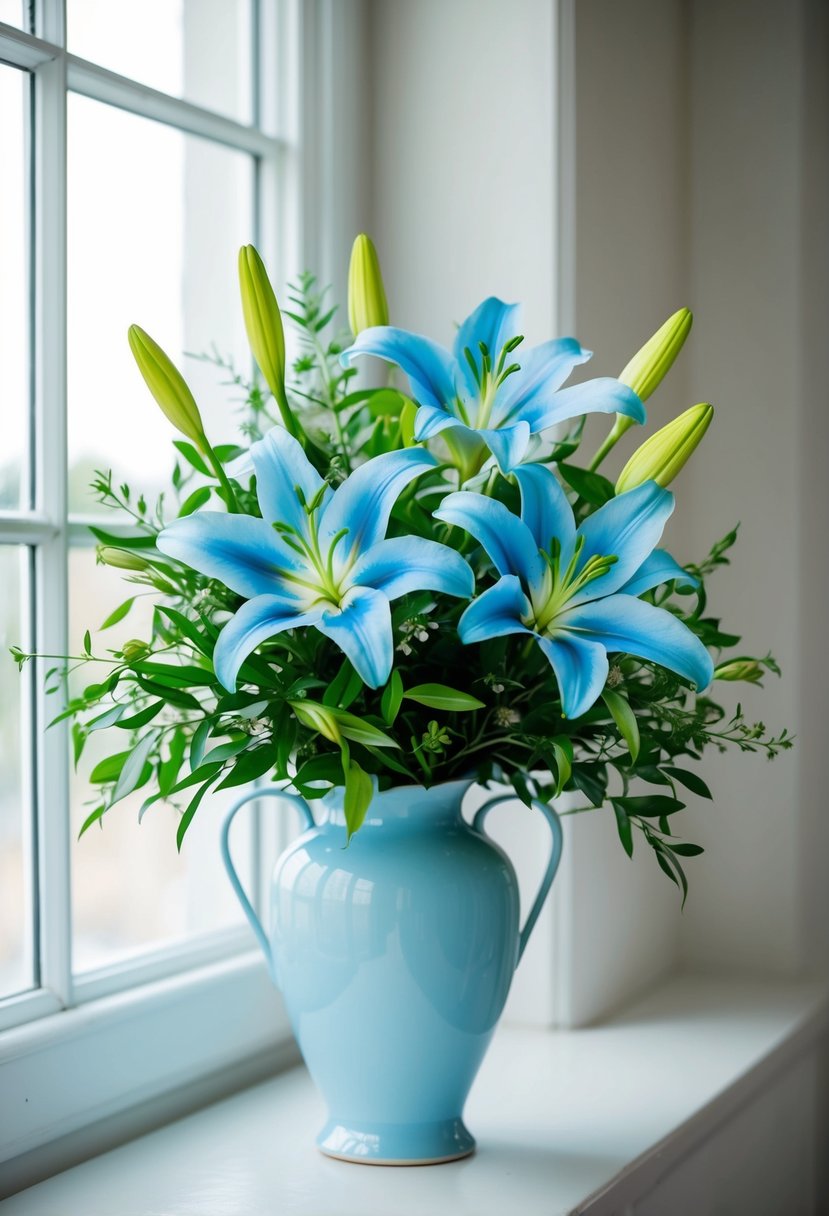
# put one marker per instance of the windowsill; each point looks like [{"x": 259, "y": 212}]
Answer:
[{"x": 561, "y": 1119}]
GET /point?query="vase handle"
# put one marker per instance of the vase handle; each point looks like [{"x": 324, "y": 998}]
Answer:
[
  {"x": 247, "y": 907},
  {"x": 552, "y": 865}
]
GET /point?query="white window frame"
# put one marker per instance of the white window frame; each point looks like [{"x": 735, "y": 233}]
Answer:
[{"x": 181, "y": 1014}]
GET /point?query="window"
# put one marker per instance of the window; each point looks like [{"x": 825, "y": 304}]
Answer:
[{"x": 138, "y": 153}]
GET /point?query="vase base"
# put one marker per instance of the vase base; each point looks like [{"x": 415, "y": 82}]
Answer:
[{"x": 397, "y": 1143}]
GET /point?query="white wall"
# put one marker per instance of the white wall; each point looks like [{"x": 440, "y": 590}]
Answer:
[{"x": 700, "y": 178}]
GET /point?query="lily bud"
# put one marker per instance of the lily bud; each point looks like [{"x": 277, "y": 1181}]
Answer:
[
  {"x": 649, "y": 366},
  {"x": 167, "y": 385},
  {"x": 134, "y": 649},
  {"x": 661, "y": 457},
  {"x": 121, "y": 559},
  {"x": 263, "y": 322},
  {"x": 748, "y": 670},
  {"x": 317, "y": 717},
  {"x": 366, "y": 294}
]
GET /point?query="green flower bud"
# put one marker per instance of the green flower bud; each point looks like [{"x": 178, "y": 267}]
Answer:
[
  {"x": 649, "y": 366},
  {"x": 134, "y": 649},
  {"x": 121, "y": 559},
  {"x": 740, "y": 669},
  {"x": 263, "y": 322},
  {"x": 167, "y": 385},
  {"x": 661, "y": 457},
  {"x": 366, "y": 294},
  {"x": 318, "y": 718}
]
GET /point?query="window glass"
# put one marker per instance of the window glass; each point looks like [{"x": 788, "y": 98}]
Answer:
[
  {"x": 196, "y": 49},
  {"x": 16, "y": 896},
  {"x": 131, "y": 889},
  {"x": 155, "y": 222},
  {"x": 16, "y": 12},
  {"x": 14, "y": 287}
]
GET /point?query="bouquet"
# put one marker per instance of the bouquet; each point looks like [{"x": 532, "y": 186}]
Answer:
[{"x": 416, "y": 578}]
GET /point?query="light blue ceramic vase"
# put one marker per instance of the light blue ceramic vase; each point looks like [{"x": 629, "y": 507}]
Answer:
[{"x": 395, "y": 957}]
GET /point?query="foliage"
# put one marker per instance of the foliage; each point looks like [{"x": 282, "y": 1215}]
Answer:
[{"x": 302, "y": 715}]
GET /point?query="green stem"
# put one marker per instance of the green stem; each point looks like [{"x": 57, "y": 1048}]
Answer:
[{"x": 216, "y": 465}]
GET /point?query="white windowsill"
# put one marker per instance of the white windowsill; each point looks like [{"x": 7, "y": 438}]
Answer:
[{"x": 566, "y": 1122}]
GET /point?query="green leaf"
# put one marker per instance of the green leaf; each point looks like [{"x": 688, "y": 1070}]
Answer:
[
  {"x": 522, "y": 789},
  {"x": 591, "y": 779},
  {"x": 691, "y": 781},
  {"x": 142, "y": 717},
  {"x": 360, "y": 731},
  {"x": 391, "y": 699},
  {"x": 670, "y": 866},
  {"x": 133, "y": 773},
  {"x": 199, "y": 742},
  {"x": 592, "y": 487},
  {"x": 192, "y": 456},
  {"x": 109, "y": 769},
  {"x": 87, "y": 643},
  {"x": 176, "y": 675},
  {"x": 386, "y": 403},
  {"x": 187, "y": 817},
  {"x": 344, "y": 688},
  {"x": 97, "y": 814},
  {"x": 110, "y": 718},
  {"x": 169, "y": 769},
  {"x": 250, "y": 765},
  {"x": 625, "y": 719},
  {"x": 119, "y": 613},
  {"x": 170, "y": 694},
  {"x": 563, "y": 751},
  {"x": 319, "y": 770},
  {"x": 623, "y": 827},
  {"x": 143, "y": 541},
  {"x": 193, "y": 501},
  {"x": 686, "y": 850},
  {"x": 359, "y": 790},
  {"x": 650, "y": 806},
  {"x": 440, "y": 696},
  {"x": 190, "y": 630},
  {"x": 79, "y": 737}
]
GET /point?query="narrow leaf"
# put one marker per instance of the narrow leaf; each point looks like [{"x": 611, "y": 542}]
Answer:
[
  {"x": 391, "y": 699},
  {"x": 119, "y": 613},
  {"x": 359, "y": 791},
  {"x": 440, "y": 696},
  {"x": 625, "y": 719},
  {"x": 624, "y": 828}
]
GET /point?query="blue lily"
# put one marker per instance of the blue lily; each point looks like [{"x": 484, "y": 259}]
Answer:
[
  {"x": 316, "y": 557},
  {"x": 575, "y": 589},
  {"x": 480, "y": 397}
]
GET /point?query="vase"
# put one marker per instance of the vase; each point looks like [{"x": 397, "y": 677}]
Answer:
[{"x": 394, "y": 956}]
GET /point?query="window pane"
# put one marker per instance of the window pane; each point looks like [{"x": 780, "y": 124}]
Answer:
[
  {"x": 196, "y": 49},
  {"x": 14, "y": 286},
  {"x": 16, "y": 903},
  {"x": 131, "y": 889},
  {"x": 156, "y": 219},
  {"x": 16, "y": 12}
]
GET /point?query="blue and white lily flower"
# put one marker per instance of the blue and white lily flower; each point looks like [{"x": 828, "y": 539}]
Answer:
[
  {"x": 575, "y": 589},
  {"x": 480, "y": 396},
  {"x": 317, "y": 557}
]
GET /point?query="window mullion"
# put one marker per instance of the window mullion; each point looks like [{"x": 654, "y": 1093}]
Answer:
[{"x": 51, "y": 616}]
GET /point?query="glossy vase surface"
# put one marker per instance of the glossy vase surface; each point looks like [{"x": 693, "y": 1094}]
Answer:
[{"x": 395, "y": 957}]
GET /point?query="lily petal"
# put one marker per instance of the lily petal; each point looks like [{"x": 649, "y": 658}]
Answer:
[
  {"x": 281, "y": 467},
  {"x": 508, "y": 444},
  {"x": 545, "y": 509},
  {"x": 604, "y": 395},
  {"x": 411, "y": 563},
  {"x": 543, "y": 371},
  {"x": 507, "y": 540},
  {"x": 496, "y": 613},
  {"x": 622, "y": 622},
  {"x": 242, "y": 552},
  {"x": 361, "y": 628},
  {"x": 431, "y": 369},
  {"x": 627, "y": 527},
  {"x": 581, "y": 669},
  {"x": 430, "y": 421},
  {"x": 363, "y": 502},
  {"x": 659, "y": 568},
  {"x": 256, "y": 621},
  {"x": 493, "y": 323}
]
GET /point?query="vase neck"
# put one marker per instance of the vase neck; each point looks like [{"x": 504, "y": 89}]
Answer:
[{"x": 407, "y": 806}]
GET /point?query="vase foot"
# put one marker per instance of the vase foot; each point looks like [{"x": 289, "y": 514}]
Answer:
[{"x": 397, "y": 1143}]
